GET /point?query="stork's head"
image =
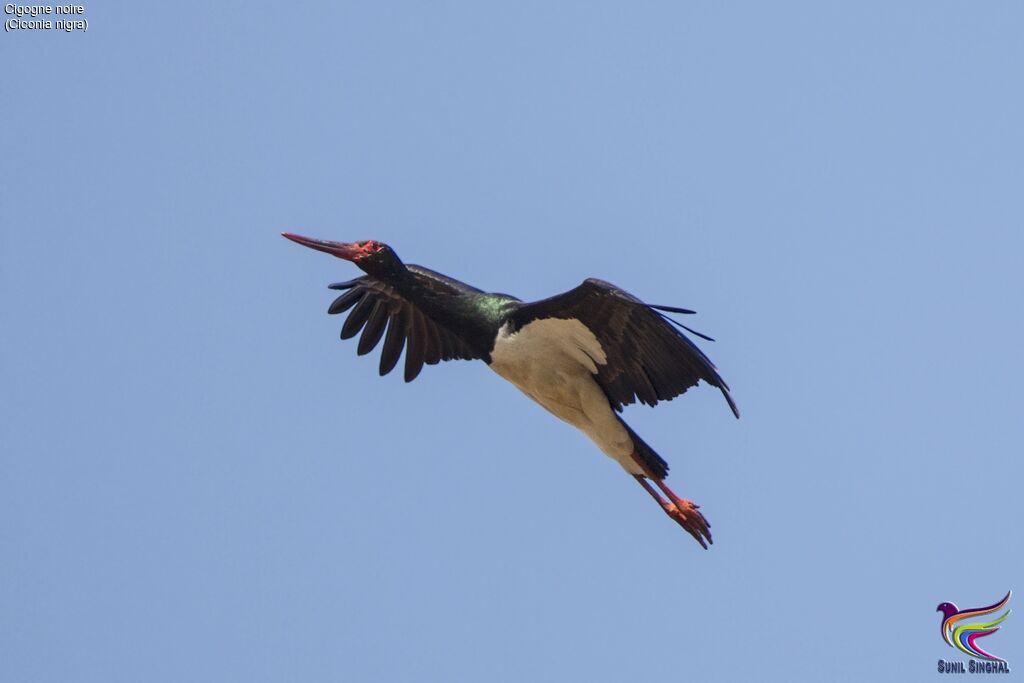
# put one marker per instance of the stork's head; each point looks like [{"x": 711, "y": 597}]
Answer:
[{"x": 373, "y": 257}]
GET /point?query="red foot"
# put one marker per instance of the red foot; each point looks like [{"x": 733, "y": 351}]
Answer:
[{"x": 686, "y": 514}]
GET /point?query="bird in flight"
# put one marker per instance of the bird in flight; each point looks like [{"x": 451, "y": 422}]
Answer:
[
  {"x": 961, "y": 634},
  {"x": 582, "y": 354}
]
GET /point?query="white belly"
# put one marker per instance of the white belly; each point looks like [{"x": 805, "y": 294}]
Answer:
[{"x": 553, "y": 361}]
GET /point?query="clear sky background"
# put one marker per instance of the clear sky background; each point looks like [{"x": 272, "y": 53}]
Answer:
[{"x": 200, "y": 482}]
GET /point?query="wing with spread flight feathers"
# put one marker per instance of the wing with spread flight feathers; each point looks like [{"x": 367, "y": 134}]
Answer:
[
  {"x": 377, "y": 305},
  {"x": 648, "y": 360}
]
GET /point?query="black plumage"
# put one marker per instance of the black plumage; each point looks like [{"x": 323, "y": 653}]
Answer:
[
  {"x": 378, "y": 304},
  {"x": 648, "y": 359},
  {"x": 583, "y": 354}
]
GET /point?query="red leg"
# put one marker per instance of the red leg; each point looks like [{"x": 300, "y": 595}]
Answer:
[{"x": 682, "y": 511}]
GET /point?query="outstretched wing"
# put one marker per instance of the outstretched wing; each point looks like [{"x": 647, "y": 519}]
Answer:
[
  {"x": 648, "y": 359},
  {"x": 964, "y": 635},
  {"x": 377, "y": 306}
]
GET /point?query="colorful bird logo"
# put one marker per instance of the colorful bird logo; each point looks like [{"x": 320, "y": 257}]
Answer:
[{"x": 962, "y": 636}]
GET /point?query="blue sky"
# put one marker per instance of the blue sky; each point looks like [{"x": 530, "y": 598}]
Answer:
[{"x": 200, "y": 482}]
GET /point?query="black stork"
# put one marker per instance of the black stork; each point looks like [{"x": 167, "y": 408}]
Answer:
[{"x": 582, "y": 355}]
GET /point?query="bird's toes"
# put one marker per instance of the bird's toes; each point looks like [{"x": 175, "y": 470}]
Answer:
[{"x": 689, "y": 517}]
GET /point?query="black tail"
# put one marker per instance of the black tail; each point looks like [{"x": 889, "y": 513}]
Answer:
[{"x": 651, "y": 460}]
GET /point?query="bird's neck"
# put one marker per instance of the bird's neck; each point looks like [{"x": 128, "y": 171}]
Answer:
[{"x": 475, "y": 317}]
